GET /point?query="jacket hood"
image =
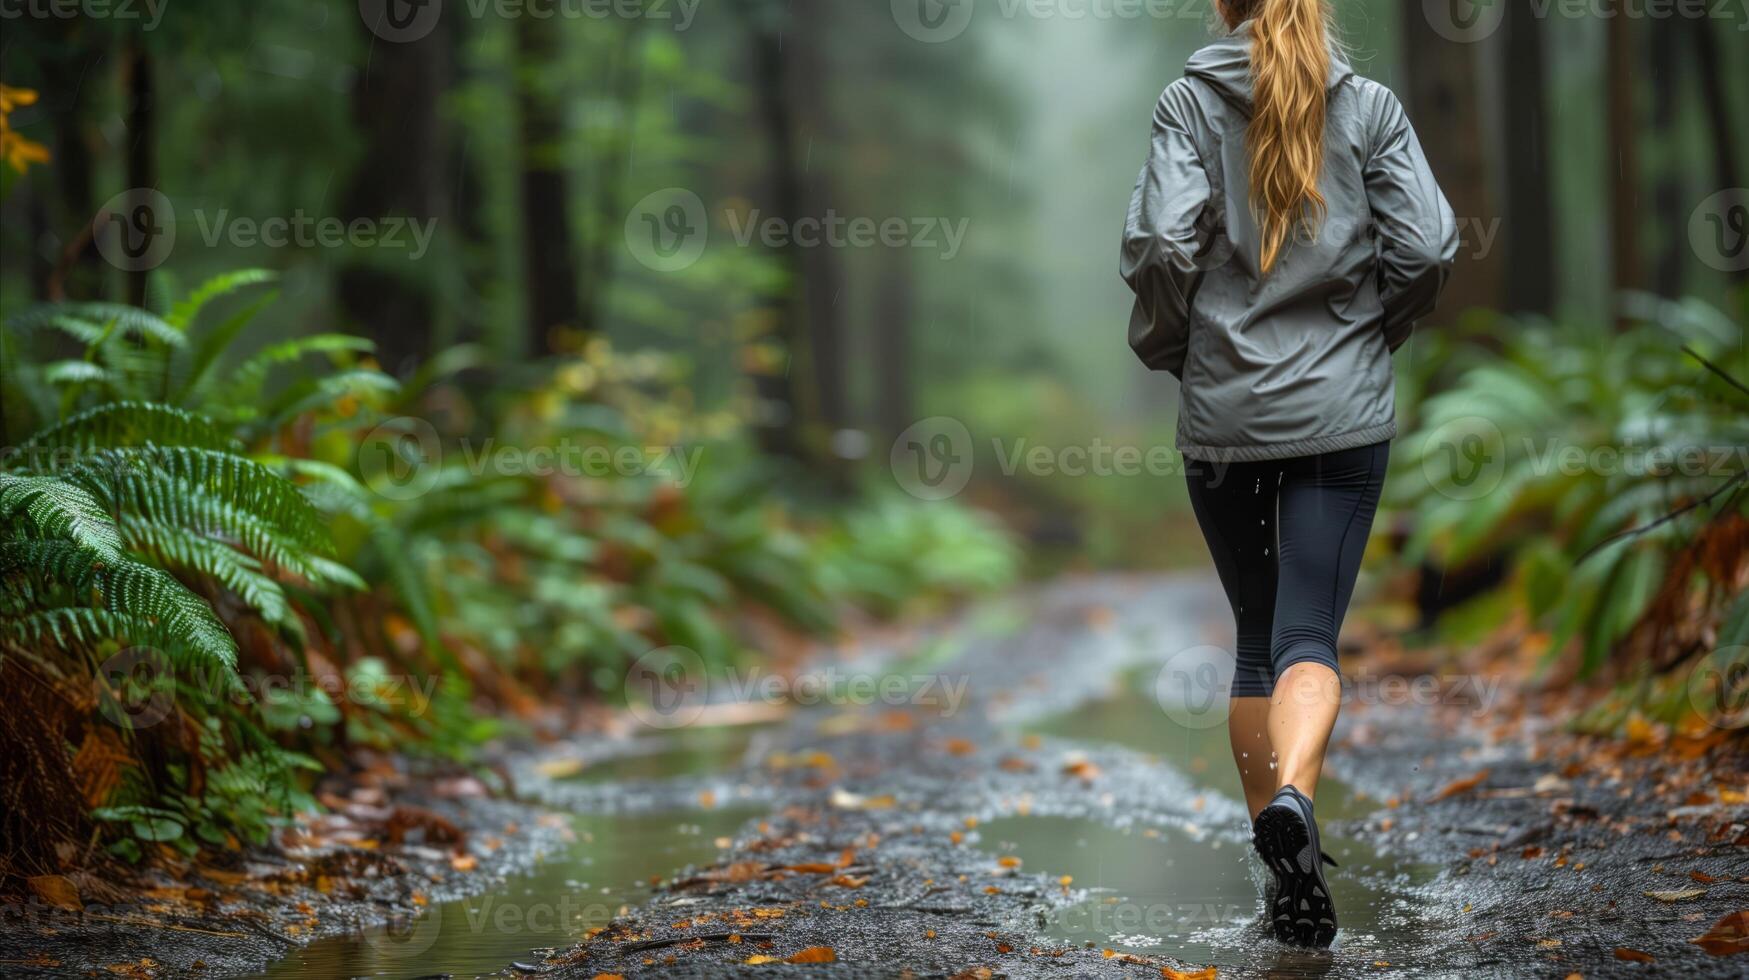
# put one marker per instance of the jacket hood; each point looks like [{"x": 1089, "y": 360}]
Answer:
[{"x": 1226, "y": 64}]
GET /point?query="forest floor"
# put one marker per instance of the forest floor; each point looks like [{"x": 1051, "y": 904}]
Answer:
[{"x": 1012, "y": 806}]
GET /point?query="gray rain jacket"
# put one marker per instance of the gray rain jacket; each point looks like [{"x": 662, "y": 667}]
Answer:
[{"x": 1298, "y": 362}]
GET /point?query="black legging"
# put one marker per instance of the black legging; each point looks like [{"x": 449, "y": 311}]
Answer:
[{"x": 1287, "y": 536}]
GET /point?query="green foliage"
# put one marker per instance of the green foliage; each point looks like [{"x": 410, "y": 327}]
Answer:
[
  {"x": 1598, "y": 464},
  {"x": 170, "y": 483},
  {"x": 895, "y": 551}
]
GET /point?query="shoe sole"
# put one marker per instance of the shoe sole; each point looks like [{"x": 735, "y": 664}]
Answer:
[{"x": 1303, "y": 913}]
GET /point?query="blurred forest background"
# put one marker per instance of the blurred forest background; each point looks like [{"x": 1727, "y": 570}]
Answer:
[{"x": 193, "y": 426}]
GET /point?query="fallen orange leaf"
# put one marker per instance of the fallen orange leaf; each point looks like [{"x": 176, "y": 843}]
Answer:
[
  {"x": 1457, "y": 786},
  {"x": 1728, "y": 936},
  {"x": 1206, "y": 973},
  {"x": 814, "y": 954},
  {"x": 57, "y": 891}
]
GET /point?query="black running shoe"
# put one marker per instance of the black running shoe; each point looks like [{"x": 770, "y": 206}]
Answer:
[{"x": 1286, "y": 836}]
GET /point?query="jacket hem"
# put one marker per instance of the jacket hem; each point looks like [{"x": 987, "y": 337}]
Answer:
[{"x": 1288, "y": 450}]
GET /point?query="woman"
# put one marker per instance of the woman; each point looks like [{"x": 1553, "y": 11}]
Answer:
[{"x": 1284, "y": 236}]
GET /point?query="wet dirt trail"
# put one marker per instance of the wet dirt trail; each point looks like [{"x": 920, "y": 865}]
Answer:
[{"x": 1032, "y": 790}]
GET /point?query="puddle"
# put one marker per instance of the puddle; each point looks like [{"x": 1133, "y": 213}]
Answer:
[
  {"x": 697, "y": 751},
  {"x": 552, "y": 905},
  {"x": 1160, "y": 891}
]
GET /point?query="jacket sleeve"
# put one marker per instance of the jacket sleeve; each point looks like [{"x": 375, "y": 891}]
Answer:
[
  {"x": 1417, "y": 233},
  {"x": 1164, "y": 234}
]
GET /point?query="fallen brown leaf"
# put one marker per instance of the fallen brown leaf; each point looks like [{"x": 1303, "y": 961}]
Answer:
[
  {"x": 1633, "y": 955},
  {"x": 1728, "y": 936},
  {"x": 57, "y": 891},
  {"x": 1677, "y": 896},
  {"x": 1457, "y": 786}
]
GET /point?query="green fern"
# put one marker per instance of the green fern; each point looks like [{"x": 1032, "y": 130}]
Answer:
[
  {"x": 50, "y": 508},
  {"x": 95, "y": 322},
  {"x": 144, "y": 604},
  {"x": 187, "y": 309},
  {"x": 131, "y": 423},
  {"x": 192, "y": 553}
]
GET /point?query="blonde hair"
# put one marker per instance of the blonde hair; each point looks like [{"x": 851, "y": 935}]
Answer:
[{"x": 1290, "y": 63}]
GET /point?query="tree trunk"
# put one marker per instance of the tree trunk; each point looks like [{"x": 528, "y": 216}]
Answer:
[
  {"x": 1623, "y": 178},
  {"x": 394, "y": 106},
  {"x": 607, "y": 197},
  {"x": 1529, "y": 222},
  {"x": 892, "y": 346},
  {"x": 548, "y": 248},
  {"x": 1442, "y": 102},
  {"x": 783, "y": 408},
  {"x": 67, "y": 83},
  {"x": 1667, "y": 186},
  {"x": 1718, "y": 109},
  {"x": 142, "y": 130},
  {"x": 821, "y": 273}
]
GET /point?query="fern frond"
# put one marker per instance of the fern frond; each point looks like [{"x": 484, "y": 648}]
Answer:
[
  {"x": 53, "y": 508},
  {"x": 214, "y": 343},
  {"x": 187, "y": 310},
  {"x": 74, "y": 372},
  {"x": 325, "y": 390},
  {"x": 129, "y": 423},
  {"x": 93, "y": 320},
  {"x": 161, "y": 610},
  {"x": 151, "y": 473},
  {"x": 249, "y": 376},
  {"x": 182, "y": 550}
]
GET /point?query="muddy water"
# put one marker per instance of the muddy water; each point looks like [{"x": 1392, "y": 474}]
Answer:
[
  {"x": 1160, "y": 891},
  {"x": 608, "y": 867}
]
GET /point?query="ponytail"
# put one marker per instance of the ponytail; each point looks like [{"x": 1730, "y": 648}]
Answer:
[{"x": 1290, "y": 62}]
